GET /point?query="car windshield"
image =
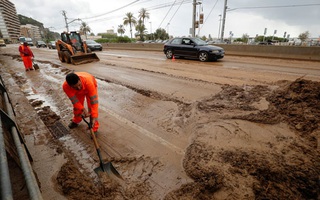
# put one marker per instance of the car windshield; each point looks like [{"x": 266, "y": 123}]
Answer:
[
  {"x": 41, "y": 42},
  {"x": 53, "y": 42},
  {"x": 91, "y": 42},
  {"x": 200, "y": 42}
]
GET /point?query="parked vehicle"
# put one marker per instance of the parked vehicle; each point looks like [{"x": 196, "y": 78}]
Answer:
[
  {"x": 190, "y": 47},
  {"x": 29, "y": 41},
  {"x": 52, "y": 45},
  {"x": 41, "y": 44},
  {"x": 93, "y": 45},
  {"x": 2, "y": 43}
]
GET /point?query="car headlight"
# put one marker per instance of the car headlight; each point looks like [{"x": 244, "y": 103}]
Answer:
[{"x": 215, "y": 51}]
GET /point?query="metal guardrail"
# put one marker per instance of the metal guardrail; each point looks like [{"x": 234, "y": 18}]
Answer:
[{"x": 7, "y": 116}]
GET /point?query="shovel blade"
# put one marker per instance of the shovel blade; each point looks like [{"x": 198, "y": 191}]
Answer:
[
  {"x": 109, "y": 168},
  {"x": 36, "y": 66}
]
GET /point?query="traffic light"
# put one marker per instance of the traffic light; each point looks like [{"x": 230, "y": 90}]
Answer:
[
  {"x": 201, "y": 18},
  {"x": 196, "y": 25}
]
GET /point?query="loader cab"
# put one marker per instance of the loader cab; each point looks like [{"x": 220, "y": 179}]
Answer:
[{"x": 72, "y": 38}]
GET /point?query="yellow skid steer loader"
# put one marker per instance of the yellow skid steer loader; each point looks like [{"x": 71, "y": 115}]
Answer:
[{"x": 71, "y": 49}]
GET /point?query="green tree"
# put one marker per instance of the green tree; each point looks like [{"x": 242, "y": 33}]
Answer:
[
  {"x": 84, "y": 28},
  {"x": 140, "y": 29},
  {"x": 304, "y": 36},
  {"x": 204, "y": 38},
  {"x": 129, "y": 20},
  {"x": 161, "y": 34},
  {"x": 245, "y": 38},
  {"x": 121, "y": 29}
]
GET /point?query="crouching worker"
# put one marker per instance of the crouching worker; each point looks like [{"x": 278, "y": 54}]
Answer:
[{"x": 80, "y": 85}]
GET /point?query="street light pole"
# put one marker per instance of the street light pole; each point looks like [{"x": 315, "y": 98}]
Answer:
[
  {"x": 219, "y": 28},
  {"x": 151, "y": 30}
]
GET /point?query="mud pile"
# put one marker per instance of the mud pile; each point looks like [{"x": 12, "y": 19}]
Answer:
[
  {"x": 287, "y": 168},
  {"x": 299, "y": 105}
]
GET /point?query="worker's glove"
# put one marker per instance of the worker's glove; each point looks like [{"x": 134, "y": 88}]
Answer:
[{"x": 85, "y": 113}]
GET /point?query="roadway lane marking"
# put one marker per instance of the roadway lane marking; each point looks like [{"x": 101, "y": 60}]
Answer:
[{"x": 146, "y": 132}]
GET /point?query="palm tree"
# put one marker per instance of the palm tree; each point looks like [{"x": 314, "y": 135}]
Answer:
[
  {"x": 141, "y": 29},
  {"x": 143, "y": 14},
  {"x": 84, "y": 28},
  {"x": 129, "y": 20},
  {"x": 121, "y": 29}
]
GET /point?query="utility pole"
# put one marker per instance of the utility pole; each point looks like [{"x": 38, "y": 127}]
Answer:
[
  {"x": 65, "y": 19},
  {"x": 194, "y": 18},
  {"x": 64, "y": 13},
  {"x": 223, "y": 19}
]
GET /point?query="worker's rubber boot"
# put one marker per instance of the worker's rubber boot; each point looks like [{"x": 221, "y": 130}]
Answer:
[{"x": 72, "y": 125}]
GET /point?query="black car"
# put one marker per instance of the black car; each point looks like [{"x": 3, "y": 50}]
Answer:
[
  {"x": 191, "y": 47},
  {"x": 52, "y": 45},
  {"x": 41, "y": 44},
  {"x": 93, "y": 45}
]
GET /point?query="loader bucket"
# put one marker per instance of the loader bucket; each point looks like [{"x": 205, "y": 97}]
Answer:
[{"x": 84, "y": 58}]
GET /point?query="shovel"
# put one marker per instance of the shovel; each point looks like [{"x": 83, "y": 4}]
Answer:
[
  {"x": 35, "y": 65},
  {"x": 104, "y": 167}
]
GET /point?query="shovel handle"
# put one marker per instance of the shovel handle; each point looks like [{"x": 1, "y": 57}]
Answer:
[{"x": 92, "y": 134}]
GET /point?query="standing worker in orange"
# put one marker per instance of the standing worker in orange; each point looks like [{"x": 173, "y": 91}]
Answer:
[
  {"x": 80, "y": 85},
  {"x": 26, "y": 55}
]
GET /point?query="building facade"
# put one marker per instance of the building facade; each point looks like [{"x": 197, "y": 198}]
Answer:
[
  {"x": 30, "y": 31},
  {"x": 9, "y": 22}
]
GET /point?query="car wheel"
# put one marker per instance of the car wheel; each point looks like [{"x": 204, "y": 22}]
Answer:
[
  {"x": 169, "y": 54},
  {"x": 203, "y": 56}
]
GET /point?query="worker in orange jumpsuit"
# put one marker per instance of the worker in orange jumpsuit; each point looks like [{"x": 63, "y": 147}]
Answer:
[
  {"x": 26, "y": 55},
  {"x": 80, "y": 85}
]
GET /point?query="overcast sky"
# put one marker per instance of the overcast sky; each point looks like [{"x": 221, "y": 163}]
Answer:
[{"x": 243, "y": 16}]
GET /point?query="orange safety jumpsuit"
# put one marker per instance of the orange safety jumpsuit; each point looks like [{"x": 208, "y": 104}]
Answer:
[
  {"x": 90, "y": 91},
  {"x": 26, "y": 55}
]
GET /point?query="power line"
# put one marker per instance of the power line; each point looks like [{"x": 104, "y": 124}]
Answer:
[
  {"x": 113, "y": 10},
  {"x": 284, "y": 6},
  {"x": 167, "y": 13},
  {"x": 155, "y": 7},
  {"x": 209, "y": 13},
  {"x": 175, "y": 12}
]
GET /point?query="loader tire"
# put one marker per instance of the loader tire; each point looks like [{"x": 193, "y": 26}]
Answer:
[
  {"x": 67, "y": 56},
  {"x": 61, "y": 57}
]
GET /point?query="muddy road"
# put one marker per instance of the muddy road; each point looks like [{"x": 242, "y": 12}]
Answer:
[{"x": 239, "y": 128}]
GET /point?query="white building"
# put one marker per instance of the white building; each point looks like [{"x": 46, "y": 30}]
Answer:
[{"x": 9, "y": 21}]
